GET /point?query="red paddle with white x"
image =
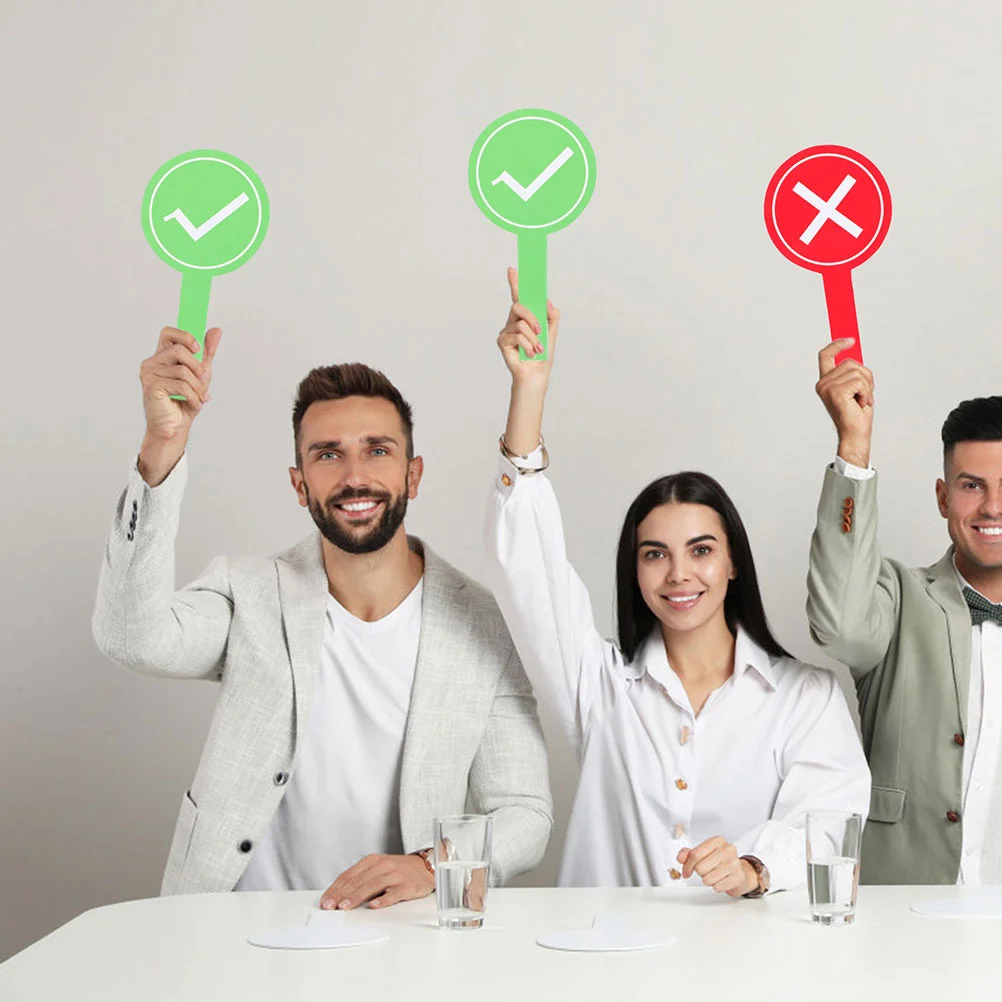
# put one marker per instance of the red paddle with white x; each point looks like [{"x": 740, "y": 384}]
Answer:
[{"x": 828, "y": 209}]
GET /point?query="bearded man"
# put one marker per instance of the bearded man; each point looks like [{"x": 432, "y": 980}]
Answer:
[{"x": 366, "y": 686}]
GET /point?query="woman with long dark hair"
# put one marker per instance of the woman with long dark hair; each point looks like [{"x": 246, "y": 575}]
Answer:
[{"x": 701, "y": 742}]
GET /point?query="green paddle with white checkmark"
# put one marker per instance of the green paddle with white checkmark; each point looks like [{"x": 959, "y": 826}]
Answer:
[
  {"x": 204, "y": 213},
  {"x": 532, "y": 172}
]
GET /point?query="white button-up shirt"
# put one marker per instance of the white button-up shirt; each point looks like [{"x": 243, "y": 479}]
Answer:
[
  {"x": 981, "y": 851},
  {"x": 773, "y": 742},
  {"x": 981, "y": 810}
]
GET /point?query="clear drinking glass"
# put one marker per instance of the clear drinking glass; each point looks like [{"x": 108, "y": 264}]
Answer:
[
  {"x": 833, "y": 865},
  {"x": 462, "y": 864}
]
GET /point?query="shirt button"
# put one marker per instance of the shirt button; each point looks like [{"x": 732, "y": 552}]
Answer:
[
  {"x": 978, "y": 788},
  {"x": 674, "y": 874},
  {"x": 683, "y": 735},
  {"x": 679, "y": 831},
  {"x": 958, "y": 739},
  {"x": 246, "y": 845},
  {"x": 953, "y": 817},
  {"x": 681, "y": 784},
  {"x": 281, "y": 778}
]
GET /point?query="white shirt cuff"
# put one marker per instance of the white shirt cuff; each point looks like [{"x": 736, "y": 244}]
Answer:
[
  {"x": 531, "y": 462},
  {"x": 844, "y": 469}
]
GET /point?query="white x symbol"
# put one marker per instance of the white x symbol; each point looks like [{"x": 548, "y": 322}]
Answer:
[{"x": 827, "y": 210}]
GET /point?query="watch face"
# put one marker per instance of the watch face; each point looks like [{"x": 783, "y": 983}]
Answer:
[
  {"x": 532, "y": 170},
  {"x": 205, "y": 211}
]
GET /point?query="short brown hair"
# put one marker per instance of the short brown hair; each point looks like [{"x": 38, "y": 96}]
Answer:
[{"x": 350, "y": 379}]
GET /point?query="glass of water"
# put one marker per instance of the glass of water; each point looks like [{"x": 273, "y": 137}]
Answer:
[
  {"x": 462, "y": 865},
  {"x": 833, "y": 865}
]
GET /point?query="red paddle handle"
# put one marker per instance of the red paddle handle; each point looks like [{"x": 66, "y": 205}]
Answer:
[{"x": 841, "y": 305}]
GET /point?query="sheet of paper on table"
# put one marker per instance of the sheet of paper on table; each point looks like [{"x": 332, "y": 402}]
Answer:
[
  {"x": 324, "y": 930},
  {"x": 609, "y": 933}
]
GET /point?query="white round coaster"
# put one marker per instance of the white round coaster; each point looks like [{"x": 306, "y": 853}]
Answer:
[{"x": 985, "y": 903}]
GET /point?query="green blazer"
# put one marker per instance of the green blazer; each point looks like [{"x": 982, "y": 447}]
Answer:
[{"x": 905, "y": 634}]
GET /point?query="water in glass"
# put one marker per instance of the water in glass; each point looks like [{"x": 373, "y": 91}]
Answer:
[
  {"x": 461, "y": 888},
  {"x": 832, "y": 883}
]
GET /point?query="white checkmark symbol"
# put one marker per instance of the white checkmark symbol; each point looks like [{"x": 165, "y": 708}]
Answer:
[
  {"x": 197, "y": 232},
  {"x": 526, "y": 193}
]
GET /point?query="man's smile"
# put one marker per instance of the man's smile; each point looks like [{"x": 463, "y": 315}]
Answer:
[{"x": 359, "y": 510}]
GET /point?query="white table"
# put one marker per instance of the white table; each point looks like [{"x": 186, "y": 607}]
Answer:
[{"x": 193, "y": 948}]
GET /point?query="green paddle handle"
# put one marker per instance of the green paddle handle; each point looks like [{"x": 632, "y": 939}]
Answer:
[
  {"x": 193, "y": 311},
  {"x": 532, "y": 285}
]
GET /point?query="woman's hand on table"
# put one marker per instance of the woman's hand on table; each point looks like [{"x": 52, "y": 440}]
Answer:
[{"x": 717, "y": 862}]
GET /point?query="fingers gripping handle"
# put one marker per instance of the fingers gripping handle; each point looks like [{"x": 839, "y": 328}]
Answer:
[
  {"x": 532, "y": 285},
  {"x": 193, "y": 311}
]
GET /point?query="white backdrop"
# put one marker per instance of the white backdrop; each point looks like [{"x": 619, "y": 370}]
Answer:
[{"x": 688, "y": 341}]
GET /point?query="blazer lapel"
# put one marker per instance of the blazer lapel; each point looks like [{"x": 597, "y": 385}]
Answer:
[
  {"x": 302, "y": 586},
  {"x": 437, "y": 652},
  {"x": 944, "y": 590}
]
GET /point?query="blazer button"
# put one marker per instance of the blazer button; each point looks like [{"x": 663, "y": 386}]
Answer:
[
  {"x": 681, "y": 784},
  {"x": 674, "y": 874},
  {"x": 246, "y": 845},
  {"x": 953, "y": 817},
  {"x": 281, "y": 778},
  {"x": 958, "y": 739}
]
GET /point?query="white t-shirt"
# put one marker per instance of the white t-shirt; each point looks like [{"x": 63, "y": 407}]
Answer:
[{"x": 342, "y": 800}]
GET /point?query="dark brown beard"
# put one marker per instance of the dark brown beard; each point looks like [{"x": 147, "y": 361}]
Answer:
[{"x": 376, "y": 537}]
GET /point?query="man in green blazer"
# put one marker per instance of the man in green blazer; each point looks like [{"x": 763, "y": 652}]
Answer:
[{"x": 924, "y": 645}]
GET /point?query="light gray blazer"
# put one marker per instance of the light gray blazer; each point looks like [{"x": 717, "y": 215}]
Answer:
[{"x": 255, "y": 626}]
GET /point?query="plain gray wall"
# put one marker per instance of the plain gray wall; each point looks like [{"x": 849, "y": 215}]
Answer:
[{"x": 688, "y": 340}]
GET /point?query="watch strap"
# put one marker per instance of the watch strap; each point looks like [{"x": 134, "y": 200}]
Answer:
[
  {"x": 762, "y": 872},
  {"x": 427, "y": 856}
]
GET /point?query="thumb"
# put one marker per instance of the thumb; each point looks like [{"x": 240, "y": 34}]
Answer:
[
  {"x": 552, "y": 319},
  {"x": 826, "y": 357},
  {"x": 212, "y": 338},
  {"x": 513, "y": 283}
]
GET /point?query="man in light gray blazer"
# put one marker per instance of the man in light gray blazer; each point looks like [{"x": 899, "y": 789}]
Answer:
[
  {"x": 923, "y": 644},
  {"x": 365, "y": 686}
]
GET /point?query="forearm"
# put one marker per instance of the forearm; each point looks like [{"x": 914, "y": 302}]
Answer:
[
  {"x": 525, "y": 415},
  {"x": 823, "y": 768},
  {"x": 159, "y": 455},
  {"x": 855, "y": 449},
  {"x": 138, "y": 619},
  {"x": 521, "y": 833},
  {"x": 545, "y": 604},
  {"x": 850, "y": 592},
  {"x": 509, "y": 777}
]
